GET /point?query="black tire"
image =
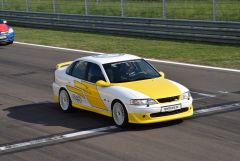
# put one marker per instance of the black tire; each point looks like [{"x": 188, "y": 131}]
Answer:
[
  {"x": 11, "y": 42},
  {"x": 119, "y": 114},
  {"x": 65, "y": 102}
]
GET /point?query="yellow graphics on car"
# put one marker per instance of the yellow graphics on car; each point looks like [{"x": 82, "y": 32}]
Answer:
[{"x": 122, "y": 86}]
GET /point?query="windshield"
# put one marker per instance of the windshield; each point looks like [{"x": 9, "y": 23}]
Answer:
[{"x": 131, "y": 70}]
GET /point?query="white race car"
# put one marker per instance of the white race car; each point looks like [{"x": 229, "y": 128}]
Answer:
[{"x": 122, "y": 86}]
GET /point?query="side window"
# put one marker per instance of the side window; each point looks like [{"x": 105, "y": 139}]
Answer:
[
  {"x": 94, "y": 73},
  {"x": 69, "y": 68},
  {"x": 79, "y": 70}
]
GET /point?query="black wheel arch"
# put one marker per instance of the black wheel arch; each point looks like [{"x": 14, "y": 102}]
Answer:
[
  {"x": 62, "y": 88},
  {"x": 117, "y": 100},
  {"x": 125, "y": 124}
]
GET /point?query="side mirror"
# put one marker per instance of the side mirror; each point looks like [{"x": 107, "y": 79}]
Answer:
[
  {"x": 4, "y": 21},
  {"x": 162, "y": 74},
  {"x": 102, "y": 83}
]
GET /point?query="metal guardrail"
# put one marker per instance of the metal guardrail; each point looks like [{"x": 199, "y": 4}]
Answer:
[{"x": 196, "y": 30}]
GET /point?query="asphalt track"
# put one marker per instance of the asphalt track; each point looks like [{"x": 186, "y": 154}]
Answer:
[{"x": 27, "y": 113}]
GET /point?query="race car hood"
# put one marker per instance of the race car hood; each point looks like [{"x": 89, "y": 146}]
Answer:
[
  {"x": 154, "y": 88},
  {"x": 3, "y": 28}
]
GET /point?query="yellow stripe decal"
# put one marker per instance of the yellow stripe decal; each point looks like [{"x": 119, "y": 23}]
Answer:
[
  {"x": 75, "y": 90},
  {"x": 80, "y": 85},
  {"x": 90, "y": 91},
  {"x": 93, "y": 96}
]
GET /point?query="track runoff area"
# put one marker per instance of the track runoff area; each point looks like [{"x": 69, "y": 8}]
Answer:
[{"x": 215, "y": 90}]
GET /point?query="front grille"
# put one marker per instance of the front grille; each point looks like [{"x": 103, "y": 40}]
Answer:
[
  {"x": 168, "y": 99},
  {"x": 168, "y": 113}
]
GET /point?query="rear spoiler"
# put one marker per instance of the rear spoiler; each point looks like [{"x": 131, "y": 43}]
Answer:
[{"x": 60, "y": 65}]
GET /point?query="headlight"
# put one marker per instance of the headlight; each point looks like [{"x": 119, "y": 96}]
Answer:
[
  {"x": 142, "y": 102},
  {"x": 10, "y": 30},
  {"x": 186, "y": 95}
]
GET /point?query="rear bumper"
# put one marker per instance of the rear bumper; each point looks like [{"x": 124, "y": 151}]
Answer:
[
  {"x": 56, "y": 89},
  {"x": 145, "y": 118},
  {"x": 6, "y": 38}
]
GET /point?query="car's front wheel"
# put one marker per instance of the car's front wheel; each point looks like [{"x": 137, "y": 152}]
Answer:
[
  {"x": 65, "y": 101},
  {"x": 9, "y": 43},
  {"x": 119, "y": 114}
]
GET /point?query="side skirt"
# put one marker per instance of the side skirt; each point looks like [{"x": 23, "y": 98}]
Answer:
[{"x": 105, "y": 113}]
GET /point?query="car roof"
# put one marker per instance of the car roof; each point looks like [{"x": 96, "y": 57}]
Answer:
[{"x": 109, "y": 58}]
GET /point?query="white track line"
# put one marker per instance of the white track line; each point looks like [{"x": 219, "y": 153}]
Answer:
[
  {"x": 195, "y": 65},
  {"x": 203, "y": 94},
  {"x": 223, "y": 92},
  {"x": 59, "y": 48},
  {"x": 218, "y": 108},
  {"x": 103, "y": 129},
  {"x": 153, "y": 60},
  {"x": 55, "y": 138}
]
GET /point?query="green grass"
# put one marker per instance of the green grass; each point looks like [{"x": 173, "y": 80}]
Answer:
[
  {"x": 197, "y": 53},
  {"x": 179, "y": 9}
]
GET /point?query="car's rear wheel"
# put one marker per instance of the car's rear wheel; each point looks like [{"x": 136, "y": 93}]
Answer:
[
  {"x": 65, "y": 101},
  {"x": 119, "y": 114}
]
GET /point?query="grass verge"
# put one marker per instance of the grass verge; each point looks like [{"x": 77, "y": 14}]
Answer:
[{"x": 181, "y": 51}]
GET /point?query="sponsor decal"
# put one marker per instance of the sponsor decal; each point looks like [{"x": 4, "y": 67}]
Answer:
[{"x": 77, "y": 98}]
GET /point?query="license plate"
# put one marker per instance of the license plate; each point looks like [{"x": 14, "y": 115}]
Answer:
[
  {"x": 3, "y": 37},
  {"x": 171, "y": 108}
]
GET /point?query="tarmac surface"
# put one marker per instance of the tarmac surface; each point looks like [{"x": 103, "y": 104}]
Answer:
[{"x": 28, "y": 113}]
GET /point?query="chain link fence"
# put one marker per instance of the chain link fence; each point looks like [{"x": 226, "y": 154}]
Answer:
[{"x": 216, "y": 10}]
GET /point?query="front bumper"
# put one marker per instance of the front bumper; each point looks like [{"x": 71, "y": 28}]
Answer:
[
  {"x": 6, "y": 38},
  {"x": 145, "y": 118},
  {"x": 153, "y": 114}
]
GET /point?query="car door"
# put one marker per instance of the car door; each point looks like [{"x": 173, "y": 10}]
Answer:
[
  {"x": 76, "y": 74},
  {"x": 94, "y": 73}
]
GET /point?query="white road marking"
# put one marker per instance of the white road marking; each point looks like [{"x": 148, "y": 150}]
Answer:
[
  {"x": 201, "y": 98},
  {"x": 223, "y": 92},
  {"x": 218, "y": 108},
  {"x": 195, "y": 65},
  {"x": 59, "y": 48},
  {"x": 55, "y": 138},
  {"x": 153, "y": 60},
  {"x": 103, "y": 129},
  {"x": 203, "y": 94}
]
